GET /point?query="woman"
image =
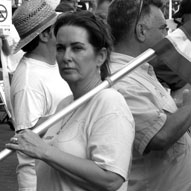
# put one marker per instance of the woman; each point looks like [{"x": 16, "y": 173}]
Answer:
[{"x": 90, "y": 149}]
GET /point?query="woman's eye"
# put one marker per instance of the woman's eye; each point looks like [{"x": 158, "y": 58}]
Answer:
[
  {"x": 59, "y": 49},
  {"x": 77, "y": 48}
]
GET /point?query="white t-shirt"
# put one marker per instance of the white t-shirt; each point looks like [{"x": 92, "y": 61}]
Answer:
[
  {"x": 36, "y": 90},
  {"x": 101, "y": 130}
]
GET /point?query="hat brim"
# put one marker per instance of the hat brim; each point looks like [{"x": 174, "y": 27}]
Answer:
[{"x": 30, "y": 37}]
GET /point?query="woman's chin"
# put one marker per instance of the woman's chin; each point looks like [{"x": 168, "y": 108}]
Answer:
[{"x": 69, "y": 78}]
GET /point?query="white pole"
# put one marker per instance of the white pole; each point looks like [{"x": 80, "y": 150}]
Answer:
[
  {"x": 170, "y": 9},
  {"x": 144, "y": 57}
]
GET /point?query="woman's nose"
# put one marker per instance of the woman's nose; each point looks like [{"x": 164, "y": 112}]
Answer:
[{"x": 67, "y": 55}]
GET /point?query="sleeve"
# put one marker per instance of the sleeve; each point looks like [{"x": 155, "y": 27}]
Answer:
[
  {"x": 166, "y": 76},
  {"x": 28, "y": 107},
  {"x": 111, "y": 139},
  {"x": 26, "y": 173},
  {"x": 149, "y": 117}
]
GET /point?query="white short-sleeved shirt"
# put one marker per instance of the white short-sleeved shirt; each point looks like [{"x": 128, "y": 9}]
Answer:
[
  {"x": 157, "y": 171},
  {"x": 101, "y": 130},
  {"x": 36, "y": 90}
]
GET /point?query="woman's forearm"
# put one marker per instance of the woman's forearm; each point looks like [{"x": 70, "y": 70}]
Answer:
[{"x": 84, "y": 172}]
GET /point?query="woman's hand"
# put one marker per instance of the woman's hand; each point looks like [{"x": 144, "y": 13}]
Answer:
[{"x": 29, "y": 143}]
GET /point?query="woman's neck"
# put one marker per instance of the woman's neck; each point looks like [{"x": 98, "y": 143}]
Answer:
[{"x": 83, "y": 87}]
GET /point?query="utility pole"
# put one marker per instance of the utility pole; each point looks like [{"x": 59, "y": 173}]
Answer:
[{"x": 170, "y": 9}]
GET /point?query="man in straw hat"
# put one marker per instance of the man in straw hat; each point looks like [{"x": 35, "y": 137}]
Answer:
[{"x": 37, "y": 87}]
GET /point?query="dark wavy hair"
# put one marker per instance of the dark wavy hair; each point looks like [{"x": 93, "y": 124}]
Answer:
[{"x": 98, "y": 32}]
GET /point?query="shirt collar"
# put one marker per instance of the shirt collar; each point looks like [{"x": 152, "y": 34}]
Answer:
[{"x": 123, "y": 60}]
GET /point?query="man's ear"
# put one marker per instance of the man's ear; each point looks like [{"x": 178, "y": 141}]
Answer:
[
  {"x": 101, "y": 57},
  {"x": 140, "y": 32},
  {"x": 44, "y": 36}
]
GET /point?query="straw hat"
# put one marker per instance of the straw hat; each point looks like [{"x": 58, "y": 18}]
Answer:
[{"x": 32, "y": 18}]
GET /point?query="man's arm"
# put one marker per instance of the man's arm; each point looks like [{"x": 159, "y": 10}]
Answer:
[
  {"x": 4, "y": 44},
  {"x": 174, "y": 128}
]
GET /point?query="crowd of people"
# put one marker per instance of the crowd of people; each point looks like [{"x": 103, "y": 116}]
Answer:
[{"x": 133, "y": 136}]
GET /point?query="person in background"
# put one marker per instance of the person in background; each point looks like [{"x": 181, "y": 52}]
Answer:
[
  {"x": 37, "y": 87},
  {"x": 78, "y": 5},
  {"x": 166, "y": 76},
  {"x": 3, "y": 43},
  {"x": 89, "y": 5},
  {"x": 90, "y": 149},
  {"x": 5, "y": 50},
  {"x": 102, "y": 8},
  {"x": 182, "y": 16},
  {"x": 184, "y": 12},
  {"x": 162, "y": 146},
  {"x": 53, "y": 3},
  {"x": 64, "y": 7},
  {"x": 72, "y": 3},
  {"x": 9, "y": 41}
]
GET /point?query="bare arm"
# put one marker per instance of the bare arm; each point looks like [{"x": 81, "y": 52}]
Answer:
[
  {"x": 26, "y": 174},
  {"x": 84, "y": 172},
  {"x": 5, "y": 46},
  {"x": 174, "y": 128}
]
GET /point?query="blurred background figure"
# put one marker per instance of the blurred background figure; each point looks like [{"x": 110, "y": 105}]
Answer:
[
  {"x": 72, "y": 3},
  {"x": 89, "y": 5},
  {"x": 53, "y": 3},
  {"x": 184, "y": 13},
  {"x": 102, "y": 8},
  {"x": 64, "y": 7},
  {"x": 165, "y": 75}
]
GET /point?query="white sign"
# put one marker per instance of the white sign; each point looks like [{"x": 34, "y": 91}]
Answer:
[{"x": 5, "y": 16}]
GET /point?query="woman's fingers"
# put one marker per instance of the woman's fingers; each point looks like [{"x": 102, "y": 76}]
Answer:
[{"x": 14, "y": 140}]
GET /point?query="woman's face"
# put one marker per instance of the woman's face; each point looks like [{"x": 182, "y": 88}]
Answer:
[{"x": 76, "y": 57}]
